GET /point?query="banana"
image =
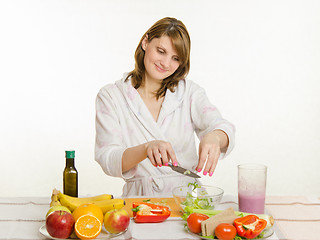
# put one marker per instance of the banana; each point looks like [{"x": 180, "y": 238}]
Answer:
[
  {"x": 54, "y": 199},
  {"x": 104, "y": 201},
  {"x": 107, "y": 205},
  {"x": 85, "y": 199},
  {"x": 55, "y": 203},
  {"x": 102, "y": 197}
]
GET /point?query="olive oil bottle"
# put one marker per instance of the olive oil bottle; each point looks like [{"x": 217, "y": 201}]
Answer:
[{"x": 70, "y": 176}]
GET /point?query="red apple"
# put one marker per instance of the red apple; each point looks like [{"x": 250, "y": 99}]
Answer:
[
  {"x": 116, "y": 220},
  {"x": 59, "y": 224}
]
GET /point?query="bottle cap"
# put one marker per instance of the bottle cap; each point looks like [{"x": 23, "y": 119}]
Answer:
[{"x": 70, "y": 154}]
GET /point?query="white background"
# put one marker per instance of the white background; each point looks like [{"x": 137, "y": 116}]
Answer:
[{"x": 258, "y": 60}]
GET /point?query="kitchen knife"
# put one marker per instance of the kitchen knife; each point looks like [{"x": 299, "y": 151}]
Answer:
[{"x": 183, "y": 171}]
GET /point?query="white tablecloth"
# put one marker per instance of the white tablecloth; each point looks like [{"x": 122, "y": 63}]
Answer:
[{"x": 21, "y": 218}]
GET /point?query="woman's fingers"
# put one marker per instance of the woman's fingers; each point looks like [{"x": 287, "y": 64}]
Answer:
[
  {"x": 203, "y": 153},
  {"x": 157, "y": 157},
  {"x": 160, "y": 153},
  {"x": 171, "y": 155},
  {"x": 150, "y": 156},
  {"x": 216, "y": 155},
  {"x": 164, "y": 157},
  {"x": 212, "y": 161},
  {"x": 208, "y": 159}
]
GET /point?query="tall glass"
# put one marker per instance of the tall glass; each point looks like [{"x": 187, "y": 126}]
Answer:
[{"x": 252, "y": 180}]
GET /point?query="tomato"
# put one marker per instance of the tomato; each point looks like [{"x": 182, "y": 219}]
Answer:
[
  {"x": 194, "y": 222},
  {"x": 225, "y": 231}
]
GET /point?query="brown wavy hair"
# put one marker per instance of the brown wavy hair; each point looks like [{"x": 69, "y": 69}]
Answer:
[{"x": 180, "y": 38}]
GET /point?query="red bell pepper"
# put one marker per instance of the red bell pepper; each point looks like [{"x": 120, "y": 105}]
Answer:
[
  {"x": 149, "y": 213},
  {"x": 249, "y": 226}
]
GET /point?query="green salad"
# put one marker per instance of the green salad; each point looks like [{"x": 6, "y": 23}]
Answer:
[{"x": 200, "y": 202}]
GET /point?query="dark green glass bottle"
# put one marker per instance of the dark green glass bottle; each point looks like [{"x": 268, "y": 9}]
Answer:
[{"x": 70, "y": 176}]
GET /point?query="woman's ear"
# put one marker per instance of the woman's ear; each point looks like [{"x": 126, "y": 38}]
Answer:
[{"x": 144, "y": 42}]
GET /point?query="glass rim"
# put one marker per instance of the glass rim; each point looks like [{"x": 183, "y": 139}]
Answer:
[{"x": 253, "y": 166}]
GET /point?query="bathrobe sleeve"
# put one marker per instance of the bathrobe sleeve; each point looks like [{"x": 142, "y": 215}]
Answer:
[
  {"x": 206, "y": 117},
  {"x": 109, "y": 145}
]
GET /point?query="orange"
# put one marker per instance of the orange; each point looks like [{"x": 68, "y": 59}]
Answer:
[
  {"x": 87, "y": 227},
  {"x": 88, "y": 209}
]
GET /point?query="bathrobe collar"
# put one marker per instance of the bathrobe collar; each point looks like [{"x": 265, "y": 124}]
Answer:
[{"x": 135, "y": 103}]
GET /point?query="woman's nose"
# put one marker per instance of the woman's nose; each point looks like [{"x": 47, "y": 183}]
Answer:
[{"x": 165, "y": 62}]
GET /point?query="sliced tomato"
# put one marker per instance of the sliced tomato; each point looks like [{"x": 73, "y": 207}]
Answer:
[
  {"x": 194, "y": 222},
  {"x": 225, "y": 231}
]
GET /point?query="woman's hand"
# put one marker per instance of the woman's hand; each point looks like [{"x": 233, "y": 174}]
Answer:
[
  {"x": 210, "y": 149},
  {"x": 160, "y": 153}
]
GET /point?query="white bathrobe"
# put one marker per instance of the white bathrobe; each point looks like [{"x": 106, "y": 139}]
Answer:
[{"x": 123, "y": 121}]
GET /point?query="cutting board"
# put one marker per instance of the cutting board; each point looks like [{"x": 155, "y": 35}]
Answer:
[{"x": 175, "y": 209}]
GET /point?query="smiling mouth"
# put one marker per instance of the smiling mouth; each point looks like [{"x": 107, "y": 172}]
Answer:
[{"x": 160, "y": 69}]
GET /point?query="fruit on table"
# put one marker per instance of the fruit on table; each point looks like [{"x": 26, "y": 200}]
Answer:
[
  {"x": 59, "y": 224},
  {"x": 54, "y": 199},
  {"x": 101, "y": 201},
  {"x": 88, "y": 209},
  {"x": 194, "y": 222},
  {"x": 56, "y": 194},
  {"x": 57, "y": 208},
  {"x": 225, "y": 231},
  {"x": 107, "y": 205},
  {"x": 116, "y": 220},
  {"x": 86, "y": 199},
  {"x": 87, "y": 227}
]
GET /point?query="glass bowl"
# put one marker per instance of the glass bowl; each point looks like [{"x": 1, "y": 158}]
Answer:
[{"x": 204, "y": 196}]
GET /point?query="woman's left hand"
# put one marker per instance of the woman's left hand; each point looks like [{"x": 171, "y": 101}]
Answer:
[{"x": 210, "y": 150}]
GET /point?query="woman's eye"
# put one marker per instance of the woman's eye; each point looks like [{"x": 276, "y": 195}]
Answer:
[{"x": 160, "y": 51}]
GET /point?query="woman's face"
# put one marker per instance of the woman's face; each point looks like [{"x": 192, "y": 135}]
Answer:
[{"x": 161, "y": 59}]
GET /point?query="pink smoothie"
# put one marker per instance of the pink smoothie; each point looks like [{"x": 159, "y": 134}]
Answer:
[{"x": 251, "y": 203}]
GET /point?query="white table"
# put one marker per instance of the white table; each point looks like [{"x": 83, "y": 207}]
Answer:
[{"x": 21, "y": 218}]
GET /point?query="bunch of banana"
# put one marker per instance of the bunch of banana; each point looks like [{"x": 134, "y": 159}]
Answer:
[
  {"x": 105, "y": 201},
  {"x": 54, "y": 198}
]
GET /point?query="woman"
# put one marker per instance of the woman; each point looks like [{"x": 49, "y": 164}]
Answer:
[{"x": 149, "y": 117}]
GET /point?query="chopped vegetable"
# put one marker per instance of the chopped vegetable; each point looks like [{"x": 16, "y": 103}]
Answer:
[
  {"x": 188, "y": 210},
  {"x": 195, "y": 185},
  {"x": 249, "y": 226},
  {"x": 201, "y": 202},
  {"x": 144, "y": 212}
]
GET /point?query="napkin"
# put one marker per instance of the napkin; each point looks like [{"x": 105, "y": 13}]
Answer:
[{"x": 297, "y": 217}]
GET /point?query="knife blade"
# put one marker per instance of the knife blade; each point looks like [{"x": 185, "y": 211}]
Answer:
[{"x": 183, "y": 171}]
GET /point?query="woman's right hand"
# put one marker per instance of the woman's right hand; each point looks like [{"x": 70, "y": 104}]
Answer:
[{"x": 160, "y": 153}]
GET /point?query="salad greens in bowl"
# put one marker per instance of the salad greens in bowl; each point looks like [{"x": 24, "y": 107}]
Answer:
[{"x": 197, "y": 196}]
